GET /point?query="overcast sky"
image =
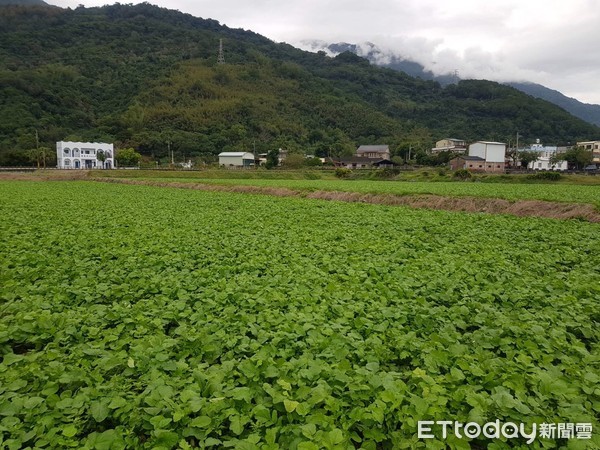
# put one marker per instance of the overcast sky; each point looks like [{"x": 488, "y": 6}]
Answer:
[{"x": 552, "y": 42}]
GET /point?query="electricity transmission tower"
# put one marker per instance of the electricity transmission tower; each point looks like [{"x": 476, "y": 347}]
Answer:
[{"x": 221, "y": 57}]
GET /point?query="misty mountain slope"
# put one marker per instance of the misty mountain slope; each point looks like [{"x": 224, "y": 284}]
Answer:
[
  {"x": 140, "y": 75},
  {"x": 588, "y": 112}
]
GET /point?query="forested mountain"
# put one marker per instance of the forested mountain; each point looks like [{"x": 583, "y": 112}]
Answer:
[
  {"x": 144, "y": 76},
  {"x": 588, "y": 112}
]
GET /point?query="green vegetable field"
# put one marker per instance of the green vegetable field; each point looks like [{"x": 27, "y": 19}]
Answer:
[{"x": 155, "y": 318}]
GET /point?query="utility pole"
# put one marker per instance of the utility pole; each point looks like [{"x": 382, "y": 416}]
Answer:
[{"x": 517, "y": 149}]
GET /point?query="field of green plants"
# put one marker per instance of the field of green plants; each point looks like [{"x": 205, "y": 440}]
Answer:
[
  {"x": 157, "y": 318},
  {"x": 541, "y": 191}
]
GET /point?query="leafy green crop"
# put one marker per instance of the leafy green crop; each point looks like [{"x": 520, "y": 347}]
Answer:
[{"x": 141, "y": 317}]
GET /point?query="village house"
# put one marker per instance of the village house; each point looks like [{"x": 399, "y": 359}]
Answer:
[
  {"x": 484, "y": 156},
  {"x": 373, "y": 152},
  {"x": 450, "y": 145},
  {"x": 493, "y": 153},
  {"x": 545, "y": 154},
  {"x": 84, "y": 155},
  {"x": 357, "y": 162},
  {"x": 473, "y": 163},
  {"x": 594, "y": 146},
  {"x": 236, "y": 159}
]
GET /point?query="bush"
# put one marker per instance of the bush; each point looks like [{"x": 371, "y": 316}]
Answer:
[
  {"x": 547, "y": 176},
  {"x": 463, "y": 174},
  {"x": 342, "y": 172},
  {"x": 312, "y": 176},
  {"x": 128, "y": 157},
  {"x": 387, "y": 172}
]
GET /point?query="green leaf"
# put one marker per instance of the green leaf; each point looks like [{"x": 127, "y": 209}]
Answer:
[
  {"x": 99, "y": 411},
  {"x": 290, "y": 405},
  {"x": 307, "y": 446},
  {"x": 284, "y": 384},
  {"x": 117, "y": 402},
  {"x": 200, "y": 422},
  {"x": 309, "y": 430},
  {"x": 69, "y": 431},
  {"x": 237, "y": 425}
]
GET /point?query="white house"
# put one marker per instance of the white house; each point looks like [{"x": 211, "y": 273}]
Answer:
[
  {"x": 236, "y": 159},
  {"x": 594, "y": 146},
  {"x": 84, "y": 155},
  {"x": 493, "y": 152},
  {"x": 545, "y": 153}
]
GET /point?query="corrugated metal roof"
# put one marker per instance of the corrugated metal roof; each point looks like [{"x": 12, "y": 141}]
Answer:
[
  {"x": 373, "y": 148},
  {"x": 236, "y": 154}
]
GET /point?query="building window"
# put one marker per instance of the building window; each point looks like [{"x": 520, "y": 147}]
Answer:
[
  {"x": 67, "y": 151},
  {"x": 67, "y": 162}
]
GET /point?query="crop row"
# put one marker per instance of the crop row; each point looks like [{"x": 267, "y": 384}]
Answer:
[{"x": 549, "y": 192}]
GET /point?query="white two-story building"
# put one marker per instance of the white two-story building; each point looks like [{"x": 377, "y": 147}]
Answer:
[
  {"x": 84, "y": 155},
  {"x": 545, "y": 155}
]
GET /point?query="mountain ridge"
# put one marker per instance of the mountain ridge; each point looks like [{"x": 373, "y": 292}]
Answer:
[{"x": 585, "y": 111}]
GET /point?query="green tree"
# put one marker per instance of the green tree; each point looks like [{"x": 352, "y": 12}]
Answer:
[
  {"x": 101, "y": 156},
  {"x": 128, "y": 157},
  {"x": 272, "y": 159},
  {"x": 39, "y": 156},
  {"x": 313, "y": 162},
  {"x": 528, "y": 157},
  {"x": 556, "y": 158},
  {"x": 294, "y": 161},
  {"x": 578, "y": 157}
]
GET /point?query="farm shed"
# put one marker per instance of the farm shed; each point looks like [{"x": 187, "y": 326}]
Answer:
[
  {"x": 236, "y": 159},
  {"x": 492, "y": 152},
  {"x": 475, "y": 164}
]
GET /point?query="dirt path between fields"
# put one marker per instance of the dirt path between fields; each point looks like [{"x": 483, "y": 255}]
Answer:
[{"x": 521, "y": 208}]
